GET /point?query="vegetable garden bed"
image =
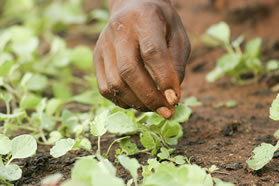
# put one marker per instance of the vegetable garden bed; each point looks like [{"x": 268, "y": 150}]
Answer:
[{"x": 223, "y": 130}]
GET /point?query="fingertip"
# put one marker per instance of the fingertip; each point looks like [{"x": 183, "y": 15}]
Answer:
[
  {"x": 165, "y": 112},
  {"x": 171, "y": 97}
]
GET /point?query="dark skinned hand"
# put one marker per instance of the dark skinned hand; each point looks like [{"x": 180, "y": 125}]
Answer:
[{"x": 141, "y": 55}]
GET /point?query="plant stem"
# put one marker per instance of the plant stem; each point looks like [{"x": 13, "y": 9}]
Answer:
[
  {"x": 43, "y": 136},
  {"x": 8, "y": 107},
  {"x": 23, "y": 128},
  {"x": 9, "y": 161},
  {"x": 117, "y": 140},
  {"x": 229, "y": 48}
]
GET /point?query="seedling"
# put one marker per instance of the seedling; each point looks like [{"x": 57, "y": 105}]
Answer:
[
  {"x": 19, "y": 147},
  {"x": 263, "y": 154},
  {"x": 236, "y": 62},
  {"x": 102, "y": 172}
]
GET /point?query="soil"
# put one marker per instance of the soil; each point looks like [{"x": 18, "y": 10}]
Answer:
[{"x": 224, "y": 137}]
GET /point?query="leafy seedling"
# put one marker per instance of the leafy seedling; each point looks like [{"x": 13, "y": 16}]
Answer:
[
  {"x": 263, "y": 154},
  {"x": 20, "y": 147},
  {"x": 130, "y": 164},
  {"x": 236, "y": 63},
  {"x": 61, "y": 147}
]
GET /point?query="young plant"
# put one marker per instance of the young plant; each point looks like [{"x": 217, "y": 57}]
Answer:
[
  {"x": 263, "y": 154},
  {"x": 101, "y": 172},
  {"x": 154, "y": 130},
  {"x": 235, "y": 63},
  {"x": 20, "y": 147}
]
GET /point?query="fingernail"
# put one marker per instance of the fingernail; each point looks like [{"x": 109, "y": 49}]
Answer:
[
  {"x": 165, "y": 112},
  {"x": 171, "y": 97}
]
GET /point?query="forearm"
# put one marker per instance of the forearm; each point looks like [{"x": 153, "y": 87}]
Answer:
[{"x": 114, "y": 5}]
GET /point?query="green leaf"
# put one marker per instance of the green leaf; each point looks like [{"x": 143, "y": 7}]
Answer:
[
  {"x": 164, "y": 154},
  {"x": 226, "y": 64},
  {"x": 87, "y": 97},
  {"x": 182, "y": 113},
  {"x": 10, "y": 172},
  {"x": 130, "y": 164},
  {"x": 69, "y": 120},
  {"x": 150, "y": 118},
  {"x": 29, "y": 101},
  {"x": 128, "y": 147},
  {"x": 54, "y": 136},
  {"x": 27, "y": 48},
  {"x": 229, "y": 62},
  {"x": 274, "y": 109},
  {"x": 85, "y": 144},
  {"x": 6, "y": 64},
  {"x": 37, "y": 82},
  {"x": 62, "y": 147},
  {"x": 171, "y": 131},
  {"x": 214, "y": 75},
  {"x": 147, "y": 140},
  {"x": 220, "y": 31},
  {"x": 82, "y": 57},
  {"x": 209, "y": 41},
  {"x": 276, "y": 135},
  {"x": 23, "y": 146},
  {"x": 100, "y": 14},
  {"x": 262, "y": 155},
  {"x": 192, "y": 102},
  {"x": 69, "y": 12},
  {"x": 179, "y": 160},
  {"x": 167, "y": 174},
  {"x": 106, "y": 165},
  {"x": 79, "y": 173},
  {"x": 148, "y": 170},
  {"x": 5, "y": 37},
  {"x": 119, "y": 123},
  {"x": 254, "y": 64},
  {"x": 61, "y": 91},
  {"x": 53, "y": 105},
  {"x": 47, "y": 122},
  {"x": 272, "y": 65},
  {"x": 98, "y": 126},
  {"x": 18, "y": 8},
  {"x": 102, "y": 177},
  {"x": 61, "y": 59},
  {"x": 253, "y": 47},
  {"x": 5, "y": 145},
  {"x": 97, "y": 173}
]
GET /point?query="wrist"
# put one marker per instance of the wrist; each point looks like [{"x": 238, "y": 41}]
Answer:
[{"x": 115, "y": 5}]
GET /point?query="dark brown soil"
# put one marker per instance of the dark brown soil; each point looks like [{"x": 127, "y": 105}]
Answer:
[{"x": 223, "y": 137}]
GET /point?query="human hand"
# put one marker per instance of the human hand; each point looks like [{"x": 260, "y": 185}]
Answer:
[{"x": 141, "y": 54}]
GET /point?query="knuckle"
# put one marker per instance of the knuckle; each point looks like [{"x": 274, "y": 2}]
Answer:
[
  {"x": 116, "y": 24},
  {"x": 148, "y": 49},
  {"x": 127, "y": 70}
]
